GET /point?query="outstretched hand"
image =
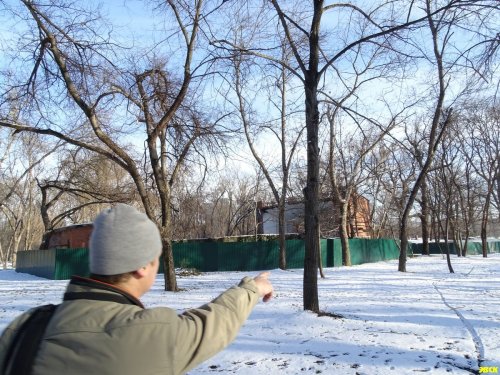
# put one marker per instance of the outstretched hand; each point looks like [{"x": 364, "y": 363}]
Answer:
[{"x": 264, "y": 286}]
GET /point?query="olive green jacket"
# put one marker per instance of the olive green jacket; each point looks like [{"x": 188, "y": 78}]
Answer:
[{"x": 100, "y": 337}]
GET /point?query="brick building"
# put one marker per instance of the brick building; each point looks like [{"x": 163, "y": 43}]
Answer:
[
  {"x": 358, "y": 218},
  {"x": 72, "y": 236}
]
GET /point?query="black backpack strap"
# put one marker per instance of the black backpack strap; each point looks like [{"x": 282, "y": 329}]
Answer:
[{"x": 23, "y": 349}]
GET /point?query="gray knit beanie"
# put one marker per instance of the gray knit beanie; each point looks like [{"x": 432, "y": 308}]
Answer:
[{"x": 122, "y": 240}]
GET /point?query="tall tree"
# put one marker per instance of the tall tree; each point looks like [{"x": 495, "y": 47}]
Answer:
[
  {"x": 348, "y": 152},
  {"x": 481, "y": 140},
  {"x": 380, "y": 192},
  {"x": 22, "y": 159},
  {"x": 280, "y": 130},
  {"x": 314, "y": 58},
  {"x": 448, "y": 62},
  {"x": 77, "y": 64}
]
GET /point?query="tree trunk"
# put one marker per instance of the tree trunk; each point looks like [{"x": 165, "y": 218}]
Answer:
[
  {"x": 446, "y": 242},
  {"x": 403, "y": 238},
  {"x": 282, "y": 233},
  {"x": 168, "y": 261},
  {"x": 424, "y": 218},
  {"x": 311, "y": 193},
  {"x": 310, "y": 288},
  {"x": 319, "y": 254},
  {"x": 168, "y": 256},
  {"x": 448, "y": 258},
  {"x": 484, "y": 242},
  {"x": 484, "y": 226},
  {"x": 344, "y": 237},
  {"x": 44, "y": 206},
  {"x": 466, "y": 242},
  {"x": 3, "y": 257},
  {"x": 455, "y": 233}
]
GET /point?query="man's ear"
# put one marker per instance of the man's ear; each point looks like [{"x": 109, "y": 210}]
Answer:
[{"x": 140, "y": 273}]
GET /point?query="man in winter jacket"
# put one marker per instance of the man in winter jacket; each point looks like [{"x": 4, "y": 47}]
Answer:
[{"x": 102, "y": 328}]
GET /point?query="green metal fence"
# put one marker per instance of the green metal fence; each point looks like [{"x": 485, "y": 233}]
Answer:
[
  {"x": 473, "y": 247},
  {"x": 37, "y": 262},
  {"x": 370, "y": 251},
  {"x": 207, "y": 256},
  {"x": 77, "y": 258},
  {"x": 56, "y": 264}
]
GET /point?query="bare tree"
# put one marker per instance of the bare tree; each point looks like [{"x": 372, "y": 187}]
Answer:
[
  {"x": 447, "y": 174},
  {"x": 226, "y": 208},
  {"x": 441, "y": 27},
  {"x": 22, "y": 159},
  {"x": 348, "y": 152},
  {"x": 69, "y": 50},
  {"x": 278, "y": 129},
  {"x": 481, "y": 141},
  {"x": 401, "y": 170},
  {"x": 377, "y": 189},
  {"x": 84, "y": 184},
  {"x": 469, "y": 203}
]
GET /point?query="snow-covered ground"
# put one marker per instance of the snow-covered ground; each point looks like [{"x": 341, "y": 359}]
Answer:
[{"x": 426, "y": 320}]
